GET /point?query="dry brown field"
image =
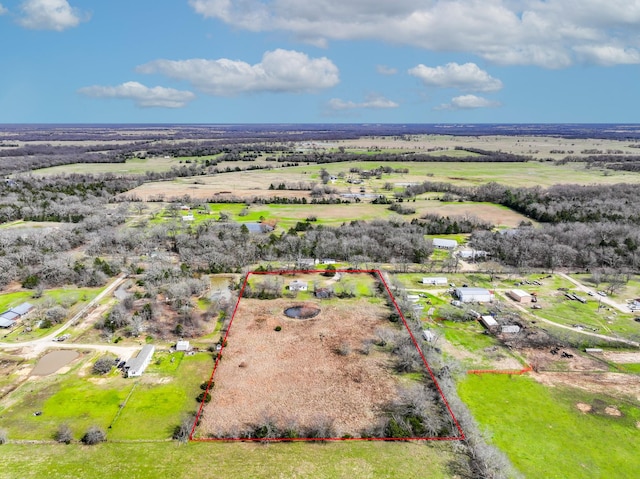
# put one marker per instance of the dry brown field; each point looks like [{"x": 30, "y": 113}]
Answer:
[{"x": 297, "y": 376}]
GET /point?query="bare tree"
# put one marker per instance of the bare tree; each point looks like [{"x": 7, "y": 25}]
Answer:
[
  {"x": 94, "y": 435},
  {"x": 63, "y": 434}
]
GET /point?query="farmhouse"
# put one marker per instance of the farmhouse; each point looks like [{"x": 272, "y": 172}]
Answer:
[
  {"x": 519, "y": 296},
  {"x": 441, "y": 281},
  {"x": 298, "y": 285},
  {"x": 472, "y": 254},
  {"x": 134, "y": 367},
  {"x": 183, "y": 345},
  {"x": 488, "y": 322},
  {"x": 444, "y": 243},
  {"x": 470, "y": 295}
]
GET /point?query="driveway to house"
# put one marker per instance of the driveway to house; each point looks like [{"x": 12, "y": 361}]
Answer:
[{"x": 36, "y": 346}]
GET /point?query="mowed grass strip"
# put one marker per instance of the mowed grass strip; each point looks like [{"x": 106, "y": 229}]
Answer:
[
  {"x": 545, "y": 435},
  {"x": 348, "y": 460}
]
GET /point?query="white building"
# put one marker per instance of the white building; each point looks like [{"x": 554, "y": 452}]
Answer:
[
  {"x": 474, "y": 295},
  {"x": 297, "y": 285},
  {"x": 444, "y": 243},
  {"x": 134, "y": 367},
  {"x": 488, "y": 322},
  {"x": 510, "y": 329},
  {"x": 183, "y": 345},
  {"x": 472, "y": 254},
  {"x": 436, "y": 281},
  {"x": 519, "y": 296}
]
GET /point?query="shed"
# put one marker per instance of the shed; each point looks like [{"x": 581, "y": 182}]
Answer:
[
  {"x": 510, "y": 329},
  {"x": 438, "y": 280},
  {"x": 134, "y": 367},
  {"x": 488, "y": 322},
  {"x": 519, "y": 296},
  {"x": 183, "y": 345},
  {"x": 22, "y": 309},
  {"x": 428, "y": 335},
  {"x": 470, "y": 295},
  {"x": 444, "y": 243},
  {"x": 297, "y": 285},
  {"x": 188, "y": 218}
]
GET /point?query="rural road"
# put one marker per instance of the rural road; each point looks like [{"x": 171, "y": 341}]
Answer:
[
  {"x": 606, "y": 300},
  {"x": 36, "y": 346}
]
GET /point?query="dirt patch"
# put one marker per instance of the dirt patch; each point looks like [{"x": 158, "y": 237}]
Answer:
[
  {"x": 612, "y": 411},
  {"x": 584, "y": 408},
  {"x": 309, "y": 370},
  {"x": 544, "y": 360},
  {"x": 605, "y": 383},
  {"x": 622, "y": 358},
  {"x": 53, "y": 361}
]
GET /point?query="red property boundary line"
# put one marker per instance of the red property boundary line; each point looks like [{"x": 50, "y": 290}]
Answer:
[
  {"x": 501, "y": 371},
  {"x": 380, "y": 276}
]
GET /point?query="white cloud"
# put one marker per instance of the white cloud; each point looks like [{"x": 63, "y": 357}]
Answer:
[
  {"x": 548, "y": 33},
  {"x": 55, "y": 15},
  {"x": 385, "y": 70},
  {"x": 279, "y": 71},
  {"x": 142, "y": 95},
  {"x": 467, "y": 102},
  {"x": 3, "y": 10},
  {"x": 452, "y": 75},
  {"x": 372, "y": 102},
  {"x": 608, "y": 55}
]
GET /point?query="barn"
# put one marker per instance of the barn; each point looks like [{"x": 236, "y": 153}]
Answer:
[
  {"x": 488, "y": 322},
  {"x": 474, "y": 295},
  {"x": 444, "y": 243},
  {"x": 519, "y": 296}
]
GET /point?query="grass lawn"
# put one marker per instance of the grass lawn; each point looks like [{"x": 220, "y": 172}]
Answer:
[
  {"x": 241, "y": 460},
  {"x": 545, "y": 435},
  {"x": 154, "y": 403}
]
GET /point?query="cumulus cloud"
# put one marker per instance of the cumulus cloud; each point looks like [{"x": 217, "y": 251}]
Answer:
[
  {"x": 372, "y": 102},
  {"x": 467, "y": 102},
  {"x": 55, "y": 15},
  {"x": 3, "y": 10},
  {"x": 142, "y": 95},
  {"x": 608, "y": 54},
  {"x": 279, "y": 71},
  {"x": 548, "y": 33},
  {"x": 452, "y": 75},
  {"x": 385, "y": 70}
]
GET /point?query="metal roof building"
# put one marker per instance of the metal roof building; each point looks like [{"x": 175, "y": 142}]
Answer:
[
  {"x": 444, "y": 243},
  {"x": 474, "y": 295},
  {"x": 136, "y": 366}
]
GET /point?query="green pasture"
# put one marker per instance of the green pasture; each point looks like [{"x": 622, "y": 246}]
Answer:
[
  {"x": 136, "y": 408},
  {"x": 150, "y": 460},
  {"x": 545, "y": 435}
]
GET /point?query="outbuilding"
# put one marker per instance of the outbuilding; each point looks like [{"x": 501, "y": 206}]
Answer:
[
  {"x": 134, "y": 367},
  {"x": 22, "y": 309},
  {"x": 436, "y": 281},
  {"x": 298, "y": 285},
  {"x": 474, "y": 295},
  {"x": 519, "y": 296},
  {"x": 6, "y": 323},
  {"x": 183, "y": 345},
  {"x": 488, "y": 322},
  {"x": 510, "y": 329},
  {"x": 444, "y": 243}
]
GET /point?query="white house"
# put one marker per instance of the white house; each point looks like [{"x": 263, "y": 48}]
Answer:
[
  {"x": 298, "y": 285},
  {"x": 134, "y": 367},
  {"x": 188, "y": 218},
  {"x": 183, "y": 345},
  {"x": 472, "y": 254},
  {"x": 474, "y": 295},
  {"x": 436, "y": 281},
  {"x": 444, "y": 243}
]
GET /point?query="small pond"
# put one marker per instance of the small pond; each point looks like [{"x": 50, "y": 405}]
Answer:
[
  {"x": 51, "y": 362},
  {"x": 302, "y": 311}
]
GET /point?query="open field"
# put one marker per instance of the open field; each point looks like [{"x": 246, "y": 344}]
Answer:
[
  {"x": 311, "y": 370},
  {"x": 544, "y": 432},
  {"x": 153, "y": 404},
  {"x": 370, "y": 460}
]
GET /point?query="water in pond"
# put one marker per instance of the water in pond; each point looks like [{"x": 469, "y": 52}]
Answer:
[
  {"x": 303, "y": 311},
  {"x": 51, "y": 362}
]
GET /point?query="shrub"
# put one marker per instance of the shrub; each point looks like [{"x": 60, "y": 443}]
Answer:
[
  {"x": 94, "y": 435},
  {"x": 204, "y": 396},
  {"x": 278, "y": 328},
  {"x": 63, "y": 434},
  {"x": 103, "y": 365},
  {"x": 3, "y": 436}
]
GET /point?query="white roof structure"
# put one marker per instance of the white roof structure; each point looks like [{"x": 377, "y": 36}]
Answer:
[
  {"x": 435, "y": 280},
  {"x": 488, "y": 321},
  {"x": 182, "y": 345},
  {"x": 22, "y": 309},
  {"x": 136, "y": 366},
  {"x": 519, "y": 295},
  {"x": 470, "y": 295},
  {"x": 510, "y": 329},
  {"x": 6, "y": 323},
  {"x": 444, "y": 243}
]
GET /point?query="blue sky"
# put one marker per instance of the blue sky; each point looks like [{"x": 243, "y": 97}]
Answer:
[{"x": 321, "y": 61}]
